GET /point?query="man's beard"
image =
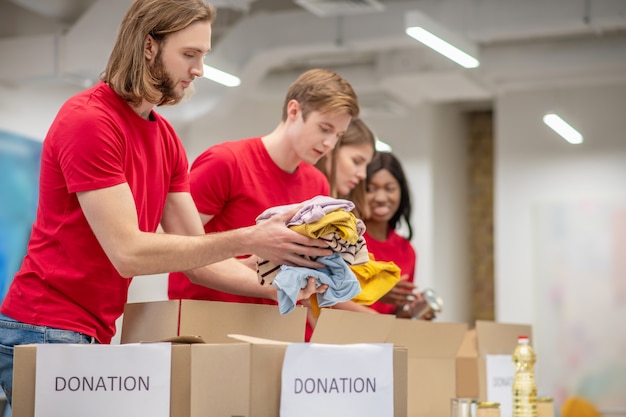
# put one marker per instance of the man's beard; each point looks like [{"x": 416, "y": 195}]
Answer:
[{"x": 165, "y": 84}]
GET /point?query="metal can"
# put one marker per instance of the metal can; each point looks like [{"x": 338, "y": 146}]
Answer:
[
  {"x": 545, "y": 407},
  {"x": 432, "y": 304},
  {"x": 461, "y": 407},
  {"x": 487, "y": 409}
]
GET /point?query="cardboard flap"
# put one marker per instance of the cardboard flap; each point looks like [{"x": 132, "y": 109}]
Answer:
[
  {"x": 25, "y": 359},
  {"x": 214, "y": 320},
  {"x": 427, "y": 339},
  {"x": 469, "y": 345},
  {"x": 345, "y": 327},
  {"x": 257, "y": 340},
  {"x": 185, "y": 339},
  {"x": 499, "y": 338},
  {"x": 149, "y": 322}
]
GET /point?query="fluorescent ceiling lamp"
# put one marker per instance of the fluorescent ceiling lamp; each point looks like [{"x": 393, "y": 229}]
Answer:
[
  {"x": 563, "y": 128},
  {"x": 441, "y": 39},
  {"x": 221, "y": 77},
  {"x": 382, "y": 146},
  {"x": 326, "y": 8}
]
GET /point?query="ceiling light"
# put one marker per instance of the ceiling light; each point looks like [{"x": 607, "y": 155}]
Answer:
[
  {"x": 220, "y": 76},
  {"x": 441, "y": 39},
  {"x": 563, "y": 128},
  {"x": 326, "y": 8},
  {"x": 382, "y": 146}
]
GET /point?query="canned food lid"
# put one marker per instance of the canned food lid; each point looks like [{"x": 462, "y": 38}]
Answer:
[
  {"x": 463, "y": 400},
  {"x": 488, "y": 404},
  {"x": 544, "y": 399}
]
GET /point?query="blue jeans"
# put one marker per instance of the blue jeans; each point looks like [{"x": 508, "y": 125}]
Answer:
[{"x": 13, "y": 332}]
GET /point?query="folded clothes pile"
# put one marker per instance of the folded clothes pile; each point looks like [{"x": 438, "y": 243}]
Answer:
[{"x": 331, "y": 220}]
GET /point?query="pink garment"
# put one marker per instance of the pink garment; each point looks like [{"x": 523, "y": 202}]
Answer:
[{"x": 312, "y": 210}]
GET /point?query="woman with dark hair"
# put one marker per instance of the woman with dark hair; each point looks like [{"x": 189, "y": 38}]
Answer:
[{"x": 389, "y": 207}]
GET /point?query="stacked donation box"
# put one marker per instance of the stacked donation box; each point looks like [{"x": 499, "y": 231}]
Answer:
[
  {"x": 484, "y": 366},
  {"x": 227, "y": 358}
]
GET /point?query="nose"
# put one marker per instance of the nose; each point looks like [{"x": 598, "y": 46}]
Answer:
[
  {"x": 330, "y": 141},
  {"x": 380, "y": 195},
  {"x": 198, "y": 69},
  {"x": 361, "y": 173}
]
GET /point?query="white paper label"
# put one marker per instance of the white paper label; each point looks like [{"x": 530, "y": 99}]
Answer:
[
  {"x": 500, "y": 374},
  {"x": 103, "y": 380},
  {"x": 337, "y": 380}
]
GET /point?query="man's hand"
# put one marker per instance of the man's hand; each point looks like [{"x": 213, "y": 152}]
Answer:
[{"x": 274, "y": 241}]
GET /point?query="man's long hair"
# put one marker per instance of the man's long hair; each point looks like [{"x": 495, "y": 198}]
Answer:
[{"x": 128, "y": 71}]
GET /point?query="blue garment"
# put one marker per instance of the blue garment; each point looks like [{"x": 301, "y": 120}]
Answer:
[
  {"x": 14, "y": 333},
  {"x": 341, "y": 281}
]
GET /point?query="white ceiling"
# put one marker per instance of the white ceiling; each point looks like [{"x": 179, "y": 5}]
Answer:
[{"x": 525, "y": 44}]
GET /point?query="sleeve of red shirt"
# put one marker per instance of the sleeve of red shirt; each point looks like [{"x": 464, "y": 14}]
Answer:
[
  {"x": 211, "y": 179},
  {"x": 93, "y": 161}
]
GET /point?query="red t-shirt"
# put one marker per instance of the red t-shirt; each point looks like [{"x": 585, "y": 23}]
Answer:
[
  {"x": 235, "y": 182},
  {"x": 96, "y": 141},
  {"x": 395, "y": 249}
]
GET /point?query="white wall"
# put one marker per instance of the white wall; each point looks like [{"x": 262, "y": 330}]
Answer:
[
  {"x": 534, "y": 165},
  {"x": 431, "y": 143},
  {"x": 30, "y": 110},
  {"x": 564, "y": 273}
]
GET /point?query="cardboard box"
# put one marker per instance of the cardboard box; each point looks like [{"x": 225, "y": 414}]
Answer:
[
  {"x": 213, "y": 321},
  {"x": 486, "y": 338},
  {"x": 244, "y": 379},
  {"x": 431, "y": 354},
  {"x": 235, "y": 367},
  {"x": 346, "y": 327},
  {"x": 241, "y": 378},
  {"x": 25, "y": 373},
  {"x": 432, "y": 350}
]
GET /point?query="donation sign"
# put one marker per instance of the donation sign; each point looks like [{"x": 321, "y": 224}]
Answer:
[
  {"x": 500, "y": 374},
  {"x": 337, "y": 380},
  {"x": 75, "y": 380}
]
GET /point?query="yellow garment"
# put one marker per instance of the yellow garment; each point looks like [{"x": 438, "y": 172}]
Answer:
[
  {"x": 341, "y": 222},
  {"x": 376, "y": 279},
  {"x": 578, "y": 407}
]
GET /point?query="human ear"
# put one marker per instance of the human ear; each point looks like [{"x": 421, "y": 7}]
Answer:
[
  {"x": 293, "y": 109},
  {"x": 150, "y": 47}
]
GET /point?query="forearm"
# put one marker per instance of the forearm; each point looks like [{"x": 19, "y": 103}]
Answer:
[
  {"x": 233, "y": 277},
  {"x": 352, "y": 306},
  {"x": 152, "y": 253}
]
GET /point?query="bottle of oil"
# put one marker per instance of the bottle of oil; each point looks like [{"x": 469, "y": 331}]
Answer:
[{"x": 524, "y": 385}]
